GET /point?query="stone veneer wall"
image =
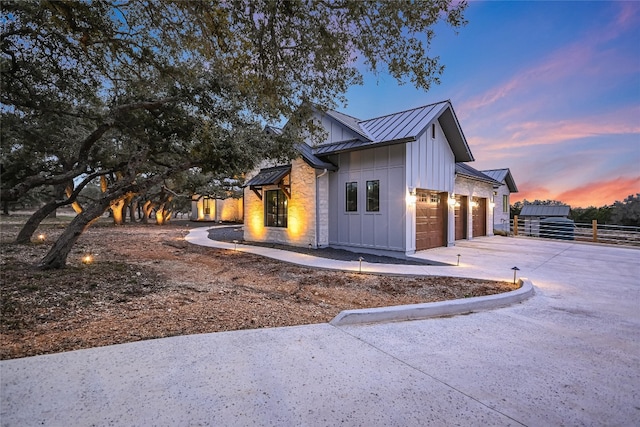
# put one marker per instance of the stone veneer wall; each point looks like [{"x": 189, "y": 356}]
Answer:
[
  {"x": 229, "y": 210},
  {"x": 472, "y": 188},
  {"x": 323, "y": 210},
  {"x": 301, "y": 221}
]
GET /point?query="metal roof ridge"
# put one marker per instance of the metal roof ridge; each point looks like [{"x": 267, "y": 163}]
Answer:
[{"x": 407, "y": 110}]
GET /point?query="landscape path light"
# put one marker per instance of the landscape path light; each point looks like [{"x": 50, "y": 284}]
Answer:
[
  {"x": 515, "y": 271},
  {"x": 458, "y": 263},
  {"x": 360, "y": 260},
  {"x": 235, "y": 245},
  {"x": 42, "y": 237}
]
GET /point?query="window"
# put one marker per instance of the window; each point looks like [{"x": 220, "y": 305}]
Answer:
[
  {"x": 352, "y": 197},
  {"x": 275, "y": 209},
  {"x": 505, "y": 203},
  {"x": 373, "y": 196},
  {"x": 433, "y": 130},
  {"x": 206, "y": 203}
]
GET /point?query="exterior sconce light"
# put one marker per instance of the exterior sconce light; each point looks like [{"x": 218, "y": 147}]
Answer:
[
  {"x": 411, "y": 198},
  {"x": 474, "y": 204},
  {"x": 492, "y": 205},
  {"x": 452, "y": 200}
]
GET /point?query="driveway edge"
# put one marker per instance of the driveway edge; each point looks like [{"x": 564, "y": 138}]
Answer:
[{"x": 401, "y": 313}]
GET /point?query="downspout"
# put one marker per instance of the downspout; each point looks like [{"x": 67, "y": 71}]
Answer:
[{"x": 324, "y": 172}]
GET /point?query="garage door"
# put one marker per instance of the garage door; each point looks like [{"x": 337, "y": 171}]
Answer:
[
  {"x": 479, "y": 217},
  {"x": 461, "y": 217},
  {"x": 430, "y": 219}
]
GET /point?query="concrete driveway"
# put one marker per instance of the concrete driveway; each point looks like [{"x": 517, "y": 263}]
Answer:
[{"x": 568, "y": 356}]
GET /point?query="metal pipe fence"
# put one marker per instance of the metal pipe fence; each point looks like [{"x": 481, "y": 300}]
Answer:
[{"x": 566, "y": 229}]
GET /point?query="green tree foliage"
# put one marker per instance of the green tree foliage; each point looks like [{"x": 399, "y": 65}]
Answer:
[
  {"x": 587, "y": 215},
  {"x": 145, "y": 90},
  {"x": 627, "y": 212}
]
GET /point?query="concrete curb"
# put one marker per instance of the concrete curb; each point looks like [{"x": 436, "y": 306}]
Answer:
[{"x": 434, "y": 309}]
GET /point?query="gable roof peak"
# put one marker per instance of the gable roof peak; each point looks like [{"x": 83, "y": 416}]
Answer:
[{"x": 433, "y": 104}]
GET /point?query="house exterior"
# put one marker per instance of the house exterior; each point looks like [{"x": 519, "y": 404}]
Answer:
[
  {"x": 382, "y": 185},
  {"x": 474, "y": 194},
  {"x": 209, "y": 208},
  {"x": 502, "y": 197}
]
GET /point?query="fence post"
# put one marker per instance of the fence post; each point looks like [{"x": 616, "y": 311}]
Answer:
[
  {"x": 515, "y": 225},
  {"x": 595, "y": 230}
]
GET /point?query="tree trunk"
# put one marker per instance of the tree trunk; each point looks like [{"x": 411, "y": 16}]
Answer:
[
  {"x": 46, "y": 211},
  {"x": 75, "y": 205},
  {"x": 30, "y": 227},
  {"x": 133, "y": 207},
  {"x": 146, "y": 210},
  {"x": 116, "y": 208},
  {"x": 57, "y": 255}
]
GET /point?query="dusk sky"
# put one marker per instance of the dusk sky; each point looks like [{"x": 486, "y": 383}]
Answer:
[{"x": 548, "y": 89}]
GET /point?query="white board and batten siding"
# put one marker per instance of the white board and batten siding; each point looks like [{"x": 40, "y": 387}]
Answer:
[{"x": 430, "y": 166}]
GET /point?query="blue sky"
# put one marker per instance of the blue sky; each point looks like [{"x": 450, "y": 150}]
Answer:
[{"x": 548, "y": 89}]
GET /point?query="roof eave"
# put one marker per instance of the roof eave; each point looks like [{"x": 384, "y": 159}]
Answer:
[
  {"x": 367, "y": 146},
  {"x": 452, "y": 130}
]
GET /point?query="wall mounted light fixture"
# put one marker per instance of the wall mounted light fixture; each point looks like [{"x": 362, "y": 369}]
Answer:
[{"x": 411, "y": 198}]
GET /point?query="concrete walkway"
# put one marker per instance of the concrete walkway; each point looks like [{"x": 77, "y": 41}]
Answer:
[{"x": 568, "y": 356}]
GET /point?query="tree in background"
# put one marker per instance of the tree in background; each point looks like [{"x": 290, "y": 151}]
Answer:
[
  {"x": 627, "y": 212},
  {"x": 145, "y": 90},
  {"x": 588, "y": 215}
]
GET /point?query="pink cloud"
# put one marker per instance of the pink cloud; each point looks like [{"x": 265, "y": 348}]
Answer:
[
  {"x": 531, "y": 133},
  {"x": 595, "y": 193}
]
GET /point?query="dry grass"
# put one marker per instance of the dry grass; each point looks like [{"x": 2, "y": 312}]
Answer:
[{"x": 147, "y": 282}]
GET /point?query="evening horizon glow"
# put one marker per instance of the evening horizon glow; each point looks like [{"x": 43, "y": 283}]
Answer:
[{"x": 550, "y": 90}]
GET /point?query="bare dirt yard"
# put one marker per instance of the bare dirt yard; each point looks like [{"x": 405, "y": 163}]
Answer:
[{"x": 147, "y": 282}]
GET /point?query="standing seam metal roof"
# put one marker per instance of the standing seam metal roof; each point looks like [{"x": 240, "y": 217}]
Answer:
[
  {"x": 545, "y": 210},
  {"x": 401, "y": 127},
  {"x": 468, "y": 171},
  {"x": 269, "y": 176},
  {"x": 503, "y": 175}
]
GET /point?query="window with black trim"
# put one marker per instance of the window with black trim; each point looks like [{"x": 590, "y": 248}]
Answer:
[
  {"x": 505, "y": 203},
  {"x": 352, "y": 197},
  {"x": 433, "y": 130},
  {"x": 275, "y": 209},
  {"x": 373, "y": 196}
]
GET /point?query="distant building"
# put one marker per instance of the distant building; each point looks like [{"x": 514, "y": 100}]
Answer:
[
  {"x": 545, "y": 220},
  {"x": 209, "y": 208}
]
